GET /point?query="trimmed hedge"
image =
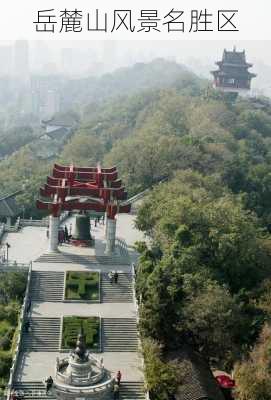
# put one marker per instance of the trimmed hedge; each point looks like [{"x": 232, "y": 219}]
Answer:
[
  {"x": 73, "y": 325},
  {"x": 82, "y": 285}
]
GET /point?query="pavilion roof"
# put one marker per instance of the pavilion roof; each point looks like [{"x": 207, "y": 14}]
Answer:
[
  {"x": 234, "y": 57},
  {"x": 199, "y": 382},
  {"x": 65, "y": 120},
  {"x": 9, "y": 206}
]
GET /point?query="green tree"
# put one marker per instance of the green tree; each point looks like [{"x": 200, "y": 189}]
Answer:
[{"x": 253, "y": 376}]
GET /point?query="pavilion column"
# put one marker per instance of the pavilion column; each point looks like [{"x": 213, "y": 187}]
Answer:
[
  {"x": 105, "y": 225},
  {"x": 110, "y": 236},
  {"x": 53, "y": 233}
]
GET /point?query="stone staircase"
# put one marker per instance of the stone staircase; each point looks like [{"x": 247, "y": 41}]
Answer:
[
  {"x": 47, "y": 286},
  {"x": 132, "y": 391},
  {"x": 67, "y": 258},
  {"x": 121, "y": 292},
  {"x": 43, "y": 335},
  {"x": 33, "y": 390},
  {"x": 119, "y": 334}
]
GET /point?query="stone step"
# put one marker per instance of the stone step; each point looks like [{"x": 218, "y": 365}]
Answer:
[
  {"x": 34, "y": 390},
  {"x": 132, "y": 391},
  {"x": 121, "y": 292},
  {"x": 47, "y": 286},
  {"x": 119, "y": 334},
  {"x": 43, "y": 335},
  {"x": 84, "y": 260}
]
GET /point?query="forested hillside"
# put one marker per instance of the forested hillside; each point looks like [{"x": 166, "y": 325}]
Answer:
[{"x": 204, "y": 278}]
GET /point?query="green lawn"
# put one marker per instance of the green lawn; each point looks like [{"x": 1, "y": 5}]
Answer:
[
  {"x": 73, "y": 325},
  {"x": 82, "y": 286}
]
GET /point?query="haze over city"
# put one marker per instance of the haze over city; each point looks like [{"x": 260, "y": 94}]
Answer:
[{"x": 86, "y": 58}]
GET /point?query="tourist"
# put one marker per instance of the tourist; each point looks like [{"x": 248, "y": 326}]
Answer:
[
  {"x": 116, "y": 277},
  {"x": 20, "y": 395},
  {"x": 66, "y": 234},
  {"x": 116, "y": 391},
  {"x": 95, "y": 222},
  {"x": 27, "y": 325},
  {"x": 110, "y": 276},
  {"x": 118, "y": 377},
  {"x": 70, "y": 230},
  {"x": 61, "y": 236},
  {"x": 28, "y": 308},
  {"x": 49, "y": 383},
  {"x": 14, "y": 395}
]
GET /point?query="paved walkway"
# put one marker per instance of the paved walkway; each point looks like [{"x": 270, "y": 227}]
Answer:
[
  {"x": 26, "y": 244},
  {"x": 31, "y": 242},
  {"x": 106, "y": 310}
]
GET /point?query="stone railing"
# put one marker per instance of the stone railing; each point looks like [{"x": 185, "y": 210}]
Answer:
[
  {"x": 19, "y": 333},
  {"x": 34, "y": 222},
  {"x": 138, "y": 196},
  {"x": 44, "y": 222},
  {"x": 87, "y": 390},
  {"x": 121, "y": 243},
  {"x": 147, "y": 394},
  {"x": 13, "y": 266}
]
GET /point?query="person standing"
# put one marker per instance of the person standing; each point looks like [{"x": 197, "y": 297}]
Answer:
[
  {"x": 27, "y": 326},
  {"x": 116, "y": 391},
  {"x": 110, "y": 276},
  {"x": 116, "y": 277},
  {"x": 66, "y": 234},
  {"x": 118, "y": 377},
  {"x": 28, "y": 308},
  {"x": 49, "y": 383}
]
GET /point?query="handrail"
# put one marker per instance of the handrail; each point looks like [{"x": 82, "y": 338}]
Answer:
[
  {"x": 121, "y": 243},
  {"x": 44, "y": 222},
  {"x": 137, "y": 316},
  {"x": 20, "y": 333},
  {"x": 87, "y": 389}
]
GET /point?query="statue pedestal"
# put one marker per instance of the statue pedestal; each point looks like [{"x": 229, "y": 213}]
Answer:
[{"x": 81, "y": 376}]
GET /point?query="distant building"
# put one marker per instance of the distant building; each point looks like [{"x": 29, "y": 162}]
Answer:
[
  {"x": 6, "y": 60},
  {"x": 233, "y": 75},
  {"x": 21, "y": 60},
  {"x": 59, "y": 127},
  {"x": 51, "y": 104}
]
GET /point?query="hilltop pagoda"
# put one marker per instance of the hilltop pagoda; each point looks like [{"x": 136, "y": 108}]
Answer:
[{"x": 233, "y": 75}]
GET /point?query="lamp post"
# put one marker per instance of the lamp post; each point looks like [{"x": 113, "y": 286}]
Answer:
[{"x": 7, "y": 246}]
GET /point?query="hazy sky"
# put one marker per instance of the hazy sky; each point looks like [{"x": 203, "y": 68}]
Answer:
[{"x": 206, "y": 51}]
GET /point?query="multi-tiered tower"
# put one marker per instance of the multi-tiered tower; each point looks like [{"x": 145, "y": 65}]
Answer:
[{"x": 233, "y": 75}]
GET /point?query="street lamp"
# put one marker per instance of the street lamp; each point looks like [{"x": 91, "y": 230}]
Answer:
[{"x": 7, "y": 246}]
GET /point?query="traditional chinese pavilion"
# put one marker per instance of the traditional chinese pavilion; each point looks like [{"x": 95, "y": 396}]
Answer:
[
  {"x": 83, "y": 189},
  {"x": 232, "y": 74}
]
